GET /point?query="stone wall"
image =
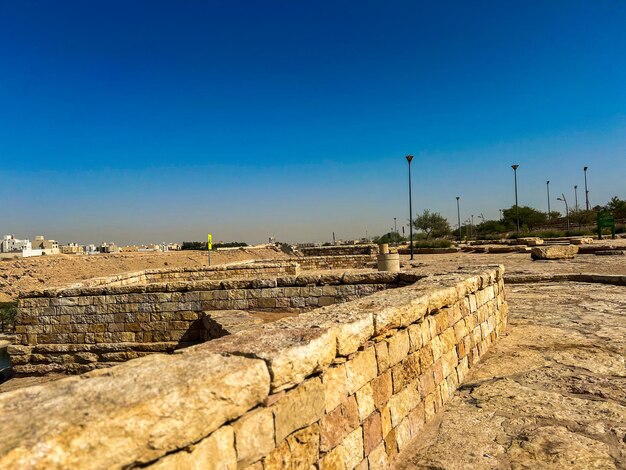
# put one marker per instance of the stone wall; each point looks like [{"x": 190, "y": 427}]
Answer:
[
  {"x": 340, "y": 250},
  {"x": 79, "y": 328},
  {"x": 335, "y": 262},
  {"x": 344, "y": 386},
  {"x": 246, "y": 269}
]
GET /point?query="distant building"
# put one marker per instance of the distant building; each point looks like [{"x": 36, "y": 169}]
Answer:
[
  {"x": 10, "y": 244},
  {"x": 72, "y": 249},
  {"x": 48, "y": 247},
  {"x": 108, "y": 248},
  {"x": 90, "y": 249}
]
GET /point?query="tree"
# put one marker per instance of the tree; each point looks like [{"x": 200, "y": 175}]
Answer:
[
  {"x": 582, "y": 217},
  {"x": 490, "y": 226},
  {"x": 391, "y": 237},
  {"x": 432, "y": 224},
  {"x": 617, "y": 207},
  {"x": 528, "y": 217}
]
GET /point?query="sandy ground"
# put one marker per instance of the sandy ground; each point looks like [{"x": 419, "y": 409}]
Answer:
[
  {"x": 550, "y": 394},
  {"x": 50, "y": 271}
]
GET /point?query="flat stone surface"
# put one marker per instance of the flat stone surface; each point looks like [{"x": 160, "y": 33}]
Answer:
[
  {"x": 291, "y": 354},
  {"x": 168, "y": 403},
  {"x": 550, "y": 394},
  {"x": 554, "y": 252}
]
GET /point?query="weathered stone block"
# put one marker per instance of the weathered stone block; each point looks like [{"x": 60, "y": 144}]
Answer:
[
  {"x": 554, "y": 252},
  {"x": 361, "y": 369},
  {"x": 301, "y": 406},
  {"x": 405, "y": 372},
  {"x": 365, "y": 401},
  {"x": 382, "y": 389},
  {"x": 211, "y": 389},
  {"x": 336, "y": 388},
  {"x": 398, "y": 347},
  {"x": 254, "y": 436},
  {"x": 216, "y": 452},
  {"x": 372, "y": 433},
  {"x": 337, "y": 424},
  {"x": 300, "y": 450}
]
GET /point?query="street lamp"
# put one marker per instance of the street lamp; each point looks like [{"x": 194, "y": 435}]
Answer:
[
  {"x": 576, "y": 197},
  {"x": 458, "y": 214},
  {"x": 586, "y": 192},
  {"x": 409, "y": 158},
  {"x": 566, "y": 208},
  {"x": 395, "y": 227},
  {"x": 472, "y": 227},
  {"x": 500, "y": 214},
  {"x": 515, "y": 167},
  {"x": 548, "y": 186}
]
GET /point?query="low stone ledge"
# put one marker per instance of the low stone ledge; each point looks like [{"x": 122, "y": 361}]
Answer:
[
  {"x": 129, "y": 415},
  {"x": 611, "y": 279}
]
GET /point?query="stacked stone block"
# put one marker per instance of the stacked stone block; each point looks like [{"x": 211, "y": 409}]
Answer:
[
  {"x": 77, "y": 329},
  {"x": 340, "y": 250},
  {"x": 339, "y": 387}
]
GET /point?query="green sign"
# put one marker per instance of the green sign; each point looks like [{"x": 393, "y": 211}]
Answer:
[{"x": 606, "y": 220}]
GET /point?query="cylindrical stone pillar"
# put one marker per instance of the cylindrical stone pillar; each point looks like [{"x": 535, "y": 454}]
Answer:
[
  {"x": 383, "y": 248},
  {"x": 389, "y": 262}
]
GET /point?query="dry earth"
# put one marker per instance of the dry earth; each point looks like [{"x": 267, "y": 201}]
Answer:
[
  {"x": 25, "y": 274},
  {"x": 550, "y": 394}
]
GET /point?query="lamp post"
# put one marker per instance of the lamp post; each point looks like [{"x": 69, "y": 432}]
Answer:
[
  {"x": 576, "y": 197},
  {"x": 409, "y": 158},
  {"x": 566, "y": 208},
  {"x": 458, "y": 214},
  {"x": 515, "y": 167},
  {"x": 548, "y": 186},
  {"x": 472, "y": 227},
  {"x": 500, "y": 214},
  {"x": 586, "y": 192},
  {"x": 395, "y": 227}
]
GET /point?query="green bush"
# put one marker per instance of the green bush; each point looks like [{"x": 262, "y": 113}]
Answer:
[
  {"x": 8, "y": 314},
  {"x": 440, "y": 243}
]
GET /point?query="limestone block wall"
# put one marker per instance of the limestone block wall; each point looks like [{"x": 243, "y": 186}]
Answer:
[
  {"x": 340, "y": 250},
  {"x": 344, "y": 386},
  {"x": 246, "y": 269},
  {"x": 76, "y": 329},
  {"x": 335, "y": 262}
]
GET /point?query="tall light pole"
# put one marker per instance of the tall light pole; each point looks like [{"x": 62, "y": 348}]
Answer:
[
  {"x": 395, "y": 227},
  {"x": 576, "y": 197},
  {"x": 586, "y": 192},
  {"x": 409, "y": 158},
  {"x": 458, "y": 214},
  {"x": 566, "y": 208},
  {"x": 500, "y": 214},
  {"x": 515, "y": 167},
  {"x": 548, "y": 186},
  {"x": 472, "y": 227}
]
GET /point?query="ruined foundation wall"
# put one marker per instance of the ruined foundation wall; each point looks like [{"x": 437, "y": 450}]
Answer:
[
  {"x": 343, "y": 386},
  {"x": 340, "y": 250},
  {"x": 335, "y": 262},
  {"x": 249, "y": 269},
  {"x": 77, "y": 329}
]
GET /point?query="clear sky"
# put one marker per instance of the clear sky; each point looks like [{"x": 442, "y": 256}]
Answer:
[{"x": 149, "y": 121}]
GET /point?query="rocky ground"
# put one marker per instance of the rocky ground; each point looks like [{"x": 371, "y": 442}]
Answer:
[
  {"x": 550, "y": 394},
  {"x": 24, "y": 274}
]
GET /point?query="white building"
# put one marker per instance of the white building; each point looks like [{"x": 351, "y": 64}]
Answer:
[{"x": 10, "y": 244}]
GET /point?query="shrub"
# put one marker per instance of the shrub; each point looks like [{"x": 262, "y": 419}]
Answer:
[
  {"x": 441, "y": 243},
  {"x": 8, "y": 314}
]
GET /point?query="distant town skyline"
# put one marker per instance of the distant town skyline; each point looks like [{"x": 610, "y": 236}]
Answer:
[{"x": 157, "y": 122}]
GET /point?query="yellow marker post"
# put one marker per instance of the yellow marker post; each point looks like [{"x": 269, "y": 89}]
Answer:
[{"x": 210, "y": 245}]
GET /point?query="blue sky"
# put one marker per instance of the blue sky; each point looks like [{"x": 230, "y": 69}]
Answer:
[{"x": 153, "y": 121}]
